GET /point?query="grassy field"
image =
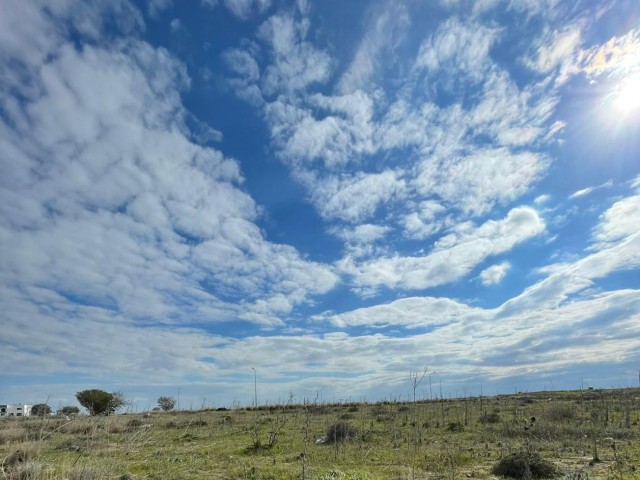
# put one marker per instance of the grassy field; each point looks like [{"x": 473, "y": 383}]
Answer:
[{"x": 592, "y": 434}]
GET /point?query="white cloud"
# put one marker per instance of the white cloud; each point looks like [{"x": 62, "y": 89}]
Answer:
[
  {"x": 476, "y": 182},
  {"x": 620, "y": 221},
  {"x": 386, "y": 28},
  {"x": 422, "y": 223},
  {"x": 542, "y": 199},
  {"x": 617, "y": 57},
  {"x": 452, "y": 258},
  {"x": 354, "y": 198},
  {"x": 117, "y": 208},
  {"x": 365, "y": 233},
  {"x": 588, "y": 190},
  {"x": 494, "y": 274},
  {"x": 410, "y": 312},
  {"x": 341, "y": 136},
  {"x": 560, "y": 50},
  {"x": 156, "y": 6},
  {"x": 244, "y": 9},
  {"x": 457, "y": 47},
  {"x": 332, "y": 142},
  {"x": 175, "y": 25},
  {"x": 295, "y": 63}
]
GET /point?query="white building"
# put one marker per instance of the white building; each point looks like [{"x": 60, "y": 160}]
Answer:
[{"x": 15, "y": 410}]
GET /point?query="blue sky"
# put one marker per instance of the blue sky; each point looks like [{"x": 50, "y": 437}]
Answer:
[{"x": 335, "y": 193}]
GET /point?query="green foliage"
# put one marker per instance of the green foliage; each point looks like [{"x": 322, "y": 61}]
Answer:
[
  {"x": 70, "y": 410},
  {"x": 99, "y": 402},
  {"x": 166, "y": 403},
  {"x": 40, "y": 410},
  {"x": 383, "y": 445}
]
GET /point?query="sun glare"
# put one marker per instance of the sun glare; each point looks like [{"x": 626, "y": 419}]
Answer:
[{"x": 627, "y": 97}]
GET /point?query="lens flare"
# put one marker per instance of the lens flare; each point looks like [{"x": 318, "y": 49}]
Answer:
[{"x": 627, "y": 97}]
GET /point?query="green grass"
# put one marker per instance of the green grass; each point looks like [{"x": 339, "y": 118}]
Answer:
[{"x": 439, "y": 439}]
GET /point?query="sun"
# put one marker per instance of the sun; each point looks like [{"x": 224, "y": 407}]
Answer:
[{"x": 627, "y": 96}]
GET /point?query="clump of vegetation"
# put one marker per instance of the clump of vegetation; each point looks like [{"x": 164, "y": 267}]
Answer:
[
  {"x": 99, "y": 402},
  {"x": 13, "y": 434},
  {"x": 40, "y": 410},
  {"x": 339, "y": 432},
  {"x": 561, "y": 413},
  {"x": 166, "y": 403},
  {"x": 69, "y": 410},
  {"x": 134, "y": 423},
  {"x": 493, "y": 417},
  {"x": 455, "y": 427},
  {"x": 524, "y": 465},
  {"x": 21, "y": 463}
]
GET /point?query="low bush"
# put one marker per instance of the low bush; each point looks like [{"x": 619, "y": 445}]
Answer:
[
  {"x": 455, "y": 427},
  {"x": 493, "y": 417},
  {"x": 560, "y": 413},
  {"x": 14, "y": 434},
  {"x": 524, "y": 465},
  {"x": 339, "y": 432}
]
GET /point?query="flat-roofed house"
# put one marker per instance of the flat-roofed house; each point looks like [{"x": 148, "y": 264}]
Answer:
[{"x": 15, "y": 410}]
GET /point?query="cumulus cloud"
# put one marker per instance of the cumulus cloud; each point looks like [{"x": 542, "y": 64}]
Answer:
[
  {"x": 118, "y": 209},
  {"x": 494, "y": 274},
  {"x": 410, "y": 312},
  {"x": 339, "y": 145},
  {"x": 452, "y": 257},
  {"x": 354, "y": 199},
  {"x": 295, "y": 63},
  {"x": 620, "y": 221}
]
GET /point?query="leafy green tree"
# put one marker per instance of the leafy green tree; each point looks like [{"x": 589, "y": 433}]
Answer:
[
  {"x": 40, "y": 410},
  {"x": 166, "y": 403},
  {"x": 69, "y": 410},
  {"x": 99, "y": 402}
]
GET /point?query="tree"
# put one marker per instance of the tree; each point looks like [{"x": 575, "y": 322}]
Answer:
[
  {"x": 69, "y": 410},
  {"x": 117, "y": 401},
  {"x": 167, "y": 403},
  {"x": 99, "y": 402},
  {"x": 40, "y": 410}
]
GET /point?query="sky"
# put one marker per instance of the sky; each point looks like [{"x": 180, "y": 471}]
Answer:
[{"x": 317, "y": 198}]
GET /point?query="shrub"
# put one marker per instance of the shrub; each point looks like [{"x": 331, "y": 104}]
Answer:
[
  {"x": 40, "y": 410},
  {"x": 455, "y": 427},
  {"x": 134, "y": 423},
  {"x": 524, "y": 465},
  {"x": 69, "y": 410},
  {"x": 166, "y": 403},
  {"x": 561, "y": 413},
  {"x": 99, "y": 402},
  {"x": 339, "y": 432},
  {"x": 493, "y": 417}
]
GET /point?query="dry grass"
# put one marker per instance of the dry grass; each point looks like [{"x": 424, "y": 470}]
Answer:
[
  {"x": 13, "y": 434},
  {"x": 384, "y": 441}
]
